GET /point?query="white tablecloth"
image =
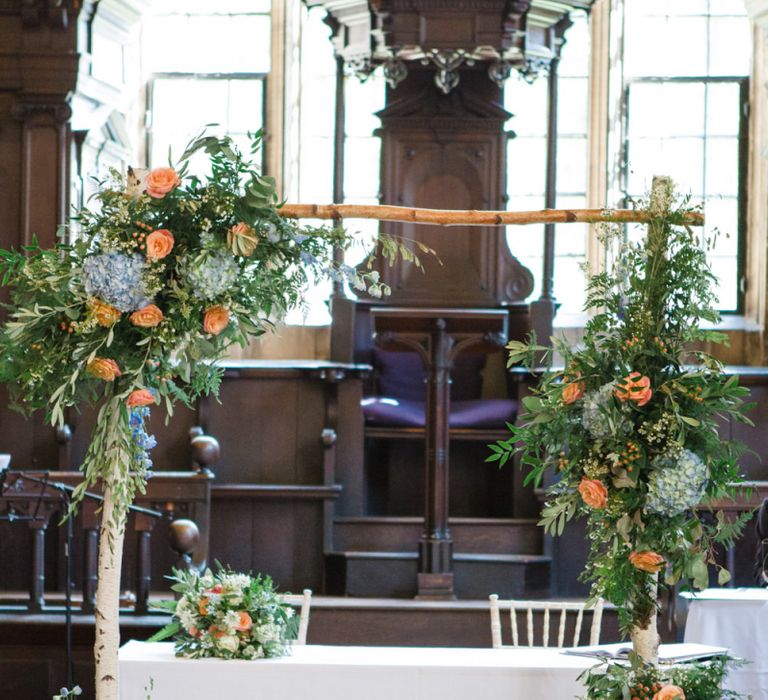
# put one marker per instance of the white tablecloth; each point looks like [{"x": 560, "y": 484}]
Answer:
[
  {"x": 736, "y": 618},
  {"x": 354, "y": 673}
]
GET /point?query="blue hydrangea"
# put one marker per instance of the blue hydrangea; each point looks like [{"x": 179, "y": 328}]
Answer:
[
  {"x": 212, "y": 274},
  {"x": 141, "y": 443},
  {"x": 117, "y": 279},
  {"x": 676, "y": 484},
  {"x": 595, "y": 412}
]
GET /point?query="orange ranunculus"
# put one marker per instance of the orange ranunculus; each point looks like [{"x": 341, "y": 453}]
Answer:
[
  {"x": 648, "y": 561},
  {"x": 634, "y": 387},
  {"x": 105, "y": 314},
  {"x": 148, "y": 316},
  {"x": 670, "y": 692},
  {"x": 242, "y": 240},
  {"x": 103, "y": 368},
  {"x": 161, "y": 181},
  {"x": 573, "y": 391},
  {"x": 216, "y": 319},
  {"x": 593, "y": 493},
  {"x": 217, "y": 632},
  {"x": 245, "y": 623},
  {"x": 202, "y": 606},
  {"x": 194, "y": 631},
  {"x": 139, "y": 397},
  {"x": 159, "y": 244}
]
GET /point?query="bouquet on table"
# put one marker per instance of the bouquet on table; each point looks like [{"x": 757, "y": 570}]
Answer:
[
  {"x": 227, "y": 615},
  {"x": 629, "y": 427}
]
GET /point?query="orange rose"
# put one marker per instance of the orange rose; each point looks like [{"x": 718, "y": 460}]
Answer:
[
  {"x": 103, "y": 368},
  {"x": 104, "y": 314},
  {"x": 593, "y": 493},
  {"x": 161, "y": 181},
  {"x": 159, "y": 244},
  {"x": 148, "y": 316},
  {"x": 244, "y": 623},
  {"x": 194, "y": 631},
  {"x": 216, "y": 319},
  {"x": 140, "y": 397},
  {"x": 648, "y": 561},
  {"x": 202, "y": 606},
  {"x": 634, "y": 387},
  {"x": 573, "y": 391},
  {"x": 670, "y": 692},
  {"x": 242, "y": 239}
]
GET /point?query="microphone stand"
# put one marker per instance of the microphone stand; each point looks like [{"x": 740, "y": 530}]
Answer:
[{"x": 65, "y": 491}]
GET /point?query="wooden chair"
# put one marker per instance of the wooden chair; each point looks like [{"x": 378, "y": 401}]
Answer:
[
  {"x": 547, "y": 607},
  {"x": 302, "y": 601}
]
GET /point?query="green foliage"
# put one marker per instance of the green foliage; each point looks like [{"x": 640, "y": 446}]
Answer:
[
  {"x": 228, "y": 267},
  {"x": 624, "y": 681},
  {"x": 630, "y": 426}
]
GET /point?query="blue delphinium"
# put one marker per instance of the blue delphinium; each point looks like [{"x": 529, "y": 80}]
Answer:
[
  {"x": 212, "y": 274},
  {"x": 676, "y": 484},
  {"x": 141, "y": 443},
  {"x": 117, "y": 279}
]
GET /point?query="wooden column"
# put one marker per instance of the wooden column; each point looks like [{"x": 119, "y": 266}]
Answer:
[{"x": 438, "y": 336}]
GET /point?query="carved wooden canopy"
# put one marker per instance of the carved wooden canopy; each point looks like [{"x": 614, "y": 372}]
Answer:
[{"x": 504, "y": 34}]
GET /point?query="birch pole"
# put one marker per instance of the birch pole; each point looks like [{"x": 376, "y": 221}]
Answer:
[
  {"x": 110, "y": 447},
  {"x": 107, "y": 611},
  {"x": 645, "y": 639},
  {"x": 473, "y": 217}
]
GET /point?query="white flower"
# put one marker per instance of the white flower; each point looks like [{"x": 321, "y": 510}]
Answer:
[
  {"x": 230, "y": 620},
  {"x": 229, "y": 642},
  {"x": 267, "y": 633}
]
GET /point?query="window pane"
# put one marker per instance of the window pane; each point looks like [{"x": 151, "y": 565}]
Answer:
[
  {"x": 573, "y": 94},
  {"x": 727, "y": 291},
  {"x": 526, "y": 166},
  {"x": 571, "y": 157},
  {"x": 208, "y": 44},
  {"x": 569, "y": 277},
  {"x": 723, "y": 175},
  {"x": 528, "y": 105},
  {"x": 730, "y": 46},
  {"x": 721, "y": 228},
  {"x": 182, "y": 106},
  {"x": 723, "y": 113}
]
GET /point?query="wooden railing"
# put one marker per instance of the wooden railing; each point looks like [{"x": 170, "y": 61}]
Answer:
[{"x": 175, "y": 507}]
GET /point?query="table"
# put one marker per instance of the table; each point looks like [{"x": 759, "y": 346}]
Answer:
[
  {"x": 353, "y": 673},
  {"x": 736, "y": 618}
]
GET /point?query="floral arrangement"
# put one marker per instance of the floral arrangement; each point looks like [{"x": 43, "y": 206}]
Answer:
[
  {"x": 161, "y": 276},
  {"x": 164, "y": 274},
  {"x": 639, "y": 681},
  {"x": 227, "y": 615},
  {"x": 629, "y": 426}
]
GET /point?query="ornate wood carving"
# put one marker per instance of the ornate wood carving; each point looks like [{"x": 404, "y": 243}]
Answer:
[{"x": 449, "y": 151}]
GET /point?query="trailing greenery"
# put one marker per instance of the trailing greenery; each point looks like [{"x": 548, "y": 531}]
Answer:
[
  {"x": 630, "y": 425},
  {"x": 637, "y": 680}
]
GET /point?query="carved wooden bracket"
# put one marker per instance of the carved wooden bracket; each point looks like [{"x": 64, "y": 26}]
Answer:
[{"x": 59, "y": 111}]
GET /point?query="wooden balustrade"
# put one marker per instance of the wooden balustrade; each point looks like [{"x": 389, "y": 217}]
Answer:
[{"x": 176, "y": 501}]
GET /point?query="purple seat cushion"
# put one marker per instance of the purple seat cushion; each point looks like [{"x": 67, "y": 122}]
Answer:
[
  {"x": 401, "y": 375},
  {"x": 386, "y": 411}
]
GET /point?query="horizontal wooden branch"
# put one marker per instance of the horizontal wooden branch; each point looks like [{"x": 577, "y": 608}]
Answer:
[{"x": 449, "y": 217}]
